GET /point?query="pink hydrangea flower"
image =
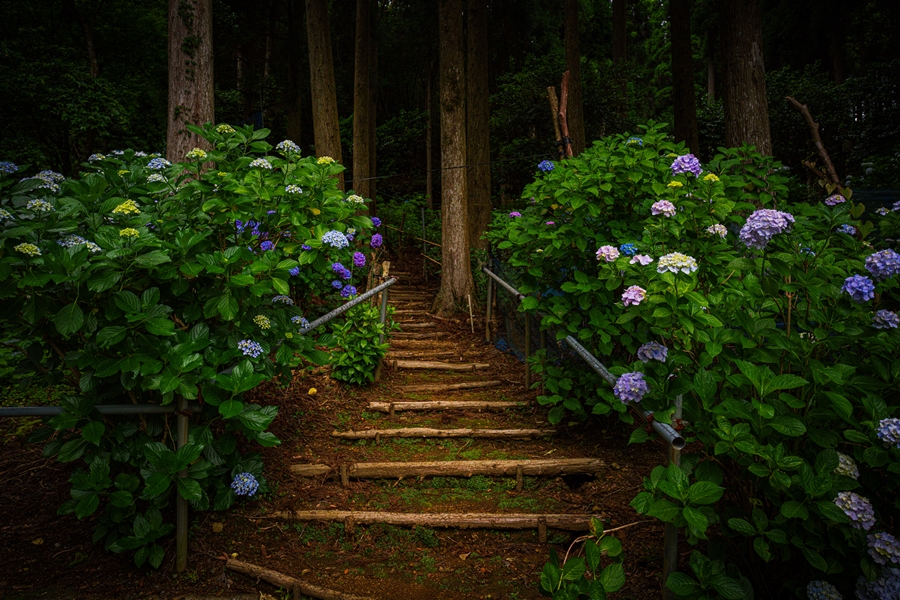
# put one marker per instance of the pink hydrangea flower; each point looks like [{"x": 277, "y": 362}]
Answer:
[{"x": 634, "y": 295}]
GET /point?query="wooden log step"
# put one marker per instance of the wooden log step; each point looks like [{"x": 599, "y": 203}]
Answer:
[
  {"x": 404, "y": 325},
  {"x": 463, "y": 468},
  {"x": 298, "y": 586},
  {"x": 310, "y": 470},
  {"x": 428, "y": 432},
  {"x": 412, "y": 312},
  {"x": 421, "y": 354},
  {"x": 431, "y": 335},
  {"x": 570, "y": 522},
  {"x": 447, "y": 387},
  {"x": 440, "y": 366},
  {"x": 447, "y": 405}
]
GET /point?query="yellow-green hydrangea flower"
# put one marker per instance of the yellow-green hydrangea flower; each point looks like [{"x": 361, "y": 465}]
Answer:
[
  {"x": 675, "y": 184},
  {"x": 197, "y": 153},
  {"x": 324, "y": 160},
  {"x": 225, "y": 129},
  {"x": 129, "y": 232},
  {"x": 29, "y": 249},
  {"x": 711, "y": 177},
  {"x": 263, "y": 321},
  {"x": 129, "y": 207}
]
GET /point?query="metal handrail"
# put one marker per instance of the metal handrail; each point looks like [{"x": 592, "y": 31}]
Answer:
[
  {"x": 104, "y": 409},
  {"x": 345, "y": 307}
]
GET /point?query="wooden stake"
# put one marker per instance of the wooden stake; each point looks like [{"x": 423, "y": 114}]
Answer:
[
  {"x": 345, "y": 476},
  {"x": 554, "y": 116},
  {"x": 288, "y": 582},
  {"x": 471, "y": 316},
  {"x": 520, "y": 479},
  {"x": 542, "y": 530},
  {"x": 390, "y": 411},
  {"x": 563, "y": 123},
  {"x": 349, "y": 527}
]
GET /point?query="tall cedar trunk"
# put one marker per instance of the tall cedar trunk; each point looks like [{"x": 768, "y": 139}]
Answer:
[
  {"x": 429, "y": 150},
  {"x": 575, "y": 108},
  {"x": 361, "y": 105},
  {"x": 683, "y": 95},
  {"x": 478, "y": 146},
  {"x": 456, "y": 276},
  {"x": 190, "y": 74},
  {"x": 326, "y": 128},
  {"x": 620, "y": 48},
  {"x": 711, "y": 77},
  {"x": 294, "y": 56},
  {"x": 746, "y": 111},
  {"x": 373, "y": 109}
]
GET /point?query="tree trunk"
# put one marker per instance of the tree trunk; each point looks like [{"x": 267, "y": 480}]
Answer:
[
  {"x": 361, "y": 91},
  {"x": 429, "y": 149},
  {"x": 711, "y": 77},
  {"x": 456, "y": 274},
  {"x": 478, "y": 144},
  {"x": 326, "y": 128},
  {"x": 683, "y": 95},
  {"x": 373, "y": 109},
  {"x": 620, "y": 24},
  {"x": 294, "y": 56},
  {"x": 190, "y": 74},
  {"x": 746, "y": 110},
  {"x": 575, "y": 108}
]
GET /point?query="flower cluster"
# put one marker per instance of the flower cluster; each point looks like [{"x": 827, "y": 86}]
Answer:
[
  {"x": 5, "y": 215},
  {"x": 50, "y": 177},
  {"x": 298, "y": 320},
  {"x": 859, "y": 287},
  {"x": 663, "y": 207},
  {"x": 895, "y": 206},
  {"x": 341, "y": 271},
  {"x": 267, "y": 245},
  {"x": 8, "y": 167},
  {"x": 376, "y": 221},
  {"x": 359, "y": 260},
  {"x": 652, "y": 351},
  {"x": 858, "y": 508},
  {"x": 763, "y": 225},
  {"x": 885, "y": 319},
  {"x": 848, "y": 229},
  {"x": 884, "y": 547},
  {"x": 336, "y": 284},
  {"x": 675, "y": 184},
  {"x": 348, "y": 291},
  {"x": 293, "y": 189},
  {"x": 355, "y": 199},
  {"x": 882, "y": 210},
  {"x": 282, "y": 299},
  {"x": 244, "y": 484},
  {"x": 822, "y": 590},
  {"x": 712, "y": 177},
  {"x": 641, "y": 259},
  {"x": 335, "y": 239},
  {"x": 287, "y": 146},
  {"x": 196, "y": 154},
  {"x": 129, "y": 232},
  {"x": 262, "y": 321},
  {"x": 628, "y": 249},
  {"x": 889, "y": 432},
  {"x": 225, "y": 129},
  {"x": 717, "y": 229},
  {"x": 129, "y": 207},
  {"x": 550, "y": 223},
  {"x": 687, "y": 164},
  {"x": 675, "y": 262},
  {"x": 886, "y": 586},
  {"x": 39, "y": 206},
  {"x": 70, "y": 241},
  {"x": 846, "y": 466},
  {"x": 631, "y": 387},
  {"x": 324, "y": 160},
  {"x": 294, "y": 271},
  {"x": 260, "y": 163},
  {"x": 546, "y": 166},
  {"x": 29, "y": 249},
  {"x": 156, "y": 178},
  {"x": 376, "y": 241},
  {"x": 634, "y": 141},
  {"x": 158, "y": 163},
  {"x": 607, "y": 253},
  {"x": 95, "y": 158},
  {"x": 250, "y": 348},
  {"x": 883, "y": 264},
  {"x": 634, "y": 295},
  {"x": 834, "y": 200}
]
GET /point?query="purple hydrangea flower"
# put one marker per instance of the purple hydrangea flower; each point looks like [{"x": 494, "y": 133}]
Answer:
[
  {"x": 359, "y": 260},
  {"x": 607, "y": 253},
  {"x": 546, "y": 166},
  {"x": 859, "y": 287},
  {"x": 267, "y": 245},
  {"x": 376, "y": 221},
  {"x": 239, "y": 225},
  {"x": 305, "y": 247},
  {"x": 282, "y": 299},
  {"x": 834, "y": 200},
  {"x": 515, "y": 214},
  {"x": 628, "y": 249},
  {"x": 885, "y": 319},
  {"x": 641, "y": 259},
  {"x": 244, "y": 484},
  {"x": 348, "y": 291},
  {"x": 250, "y": 348},
  {"x": 822, "y": 590},
  {"x": 550, "y": 223},
  {"x": 889, "y": 432},
  {"x": 337, "y": 284},
  {"x": 294, "y": 272},
  {"x": 663, "y": 207},
  {"x": 270, "y": 212},
  {"x": 376, "y": 241},
  {"x": 884, "y": 547},
  {"x": 686, "y": 164},
  {"x": 634, "y": 295},
  {"x": 883, "y": 264},
  {"x": 887, "y": 585},
  {"x": 337, "y": 268},
  {"x": 763, "y": 225},
  {"x": 848, "y": 229},
  {"x": 858, "y": 508},
  {"x": 652, "y": 351},
  {"x": 631, "y": 387}
]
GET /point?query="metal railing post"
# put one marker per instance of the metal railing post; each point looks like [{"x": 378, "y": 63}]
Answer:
[
  {"x": 670, "y": 539},
  {"x": 181, "y": 505},
  {"x": 487, "y": 318}
]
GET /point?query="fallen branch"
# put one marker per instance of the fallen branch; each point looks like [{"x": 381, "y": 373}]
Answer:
[
  {"x": 291, "y": 583},
  {"x": 832, "y": 176}
]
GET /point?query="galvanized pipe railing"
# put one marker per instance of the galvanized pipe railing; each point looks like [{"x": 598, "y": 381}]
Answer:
[
  {"x": 345, "y": 307},
  {"x": 104, "y": 409}
]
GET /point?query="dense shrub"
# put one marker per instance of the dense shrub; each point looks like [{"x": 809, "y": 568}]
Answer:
[{"x": 779, "y": 330}]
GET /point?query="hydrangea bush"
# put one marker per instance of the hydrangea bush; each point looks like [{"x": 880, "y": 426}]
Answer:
[
  {"x": 145, "y": 282},
  {"x": 779, "y": 332}
]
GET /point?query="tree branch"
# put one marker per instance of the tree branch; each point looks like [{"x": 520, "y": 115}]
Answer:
[{"x": 817, "y": 140}]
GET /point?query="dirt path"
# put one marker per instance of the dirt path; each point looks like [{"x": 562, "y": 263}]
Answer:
[{"x": 482, "y": 503}]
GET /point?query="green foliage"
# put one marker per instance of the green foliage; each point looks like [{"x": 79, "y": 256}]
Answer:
[
  {"x": 779, "y": 369},
  {"x": 181, "y": 282},
  {"x": 713, "y": 581},
  {"x": 360, "y": 352},
  {"x": 589, "y": 576}
]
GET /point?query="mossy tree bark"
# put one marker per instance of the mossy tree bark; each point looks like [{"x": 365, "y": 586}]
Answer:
[
  {"x": 478, "y": 145},
  {"x": 326, "y": 128},
  {"x": 190, "y": 74}
]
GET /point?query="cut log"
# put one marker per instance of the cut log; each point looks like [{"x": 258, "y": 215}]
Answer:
[
  {"x": 571, "y": 522},
  {"x": 404, "y": 325},
  {"x": 288, "y": 582},
  {"x": 447, "y": 404},
  {"x": 412, "y": 312},
  {"x": 426, "y": 343},
  {"x": 446, "y": 387},
  {"x": 440, "y": 366},
  {"x": 310, "y": 470},
  {"x": 421, "y": 354},
  {"x": 413, "y": 432},
  {"x": 467, "y": 468},
  {"x": 432, "y": 335}
]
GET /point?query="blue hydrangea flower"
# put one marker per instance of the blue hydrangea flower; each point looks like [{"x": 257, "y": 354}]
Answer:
[
  {"x": 628, "y": 249},
  {"x": 348, "y": 291},
  {"x": 338, "y": 268},
  {"x": 652, "y": 351},
  {"x": 858, "y": 508},
  {"x": 889, "y": 432},
  {"x": 294, "y": 272},
  {"x": 298, "y": 320},
  {"x": 287, "y": 146},
  {"x": 884, "y": 548},
  {"x": 631, "y": 387},
  {"x": 376, "y": 221},
  {"x": 293, "y": 189},
  {"x": 359, "y": 260},
  {"x": 8, "y": 167},
  {"x": 158, "y": 163},
  {"x": 886, "y": 586},
  {"x": 282, "y": 299},
  {"x": 885, "y": 319},
  {"x": 883, "y": 264},
  {"x": 546, "y": 166},
  {"x": 687, "y": 164},
  {"x": 859, "y": 287},
  {"x": 305, "y": 247},
  {"x": 634, "y": 141},
  {"x": 822, "y": 590},
  {"x": 376, "y": 241},
  {"x": 250, "y": 348},
  {"x": 335, "y": 239},
  {"x": 763, "y": 225},
  {"x": 260, "y": 163},
  {"x": 848, "y": 229},
  {"x": 5, "y": 215},
  {"x": 244, "y": 484},
  {"x": 337, "y": 284},
  {"x": 267, "y": 245}
]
